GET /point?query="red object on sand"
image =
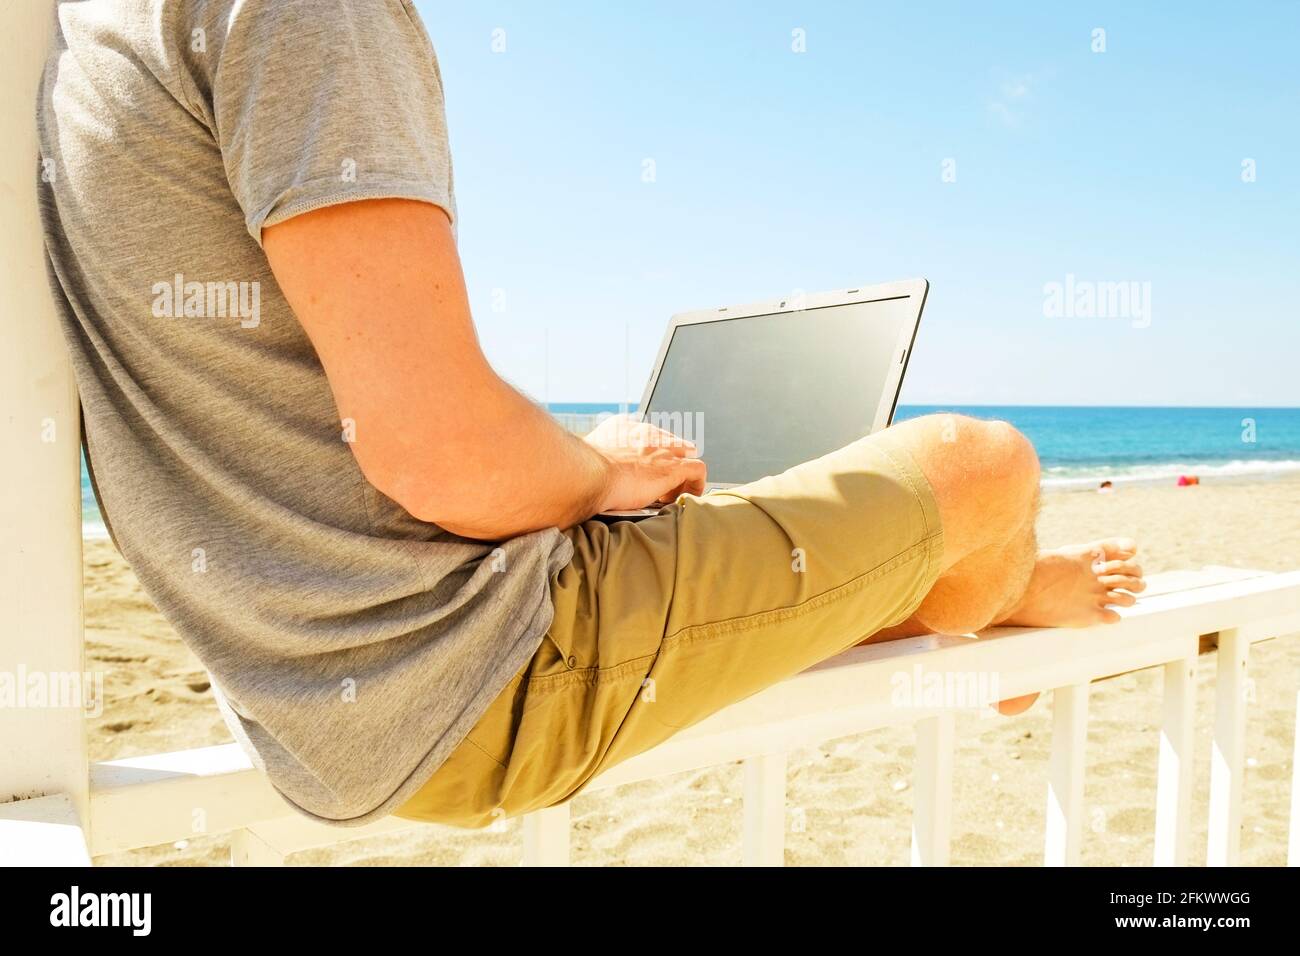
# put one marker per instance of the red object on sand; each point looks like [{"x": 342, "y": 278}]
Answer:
[{"x": 1184, "y": 480}]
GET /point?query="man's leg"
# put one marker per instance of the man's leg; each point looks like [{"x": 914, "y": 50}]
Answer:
[
  {"x": 1004, "y": 583},
  {"x": 984, "y": 477},
  {"x": 660, "y": 623}
]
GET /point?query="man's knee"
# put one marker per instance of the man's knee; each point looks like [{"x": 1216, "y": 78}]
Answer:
[
  {"x": 1008, "y": 459},
  {"x": 984, "y": 475}
]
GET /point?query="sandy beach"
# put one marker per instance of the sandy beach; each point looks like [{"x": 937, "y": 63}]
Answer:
[{"x": 851, "y": 798}]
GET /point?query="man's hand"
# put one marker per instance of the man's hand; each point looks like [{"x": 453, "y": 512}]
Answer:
[{"x": 650, "y": 465}]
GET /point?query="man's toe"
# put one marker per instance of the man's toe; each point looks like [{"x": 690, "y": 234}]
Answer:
[
  {"x": 1123, "y": 581},
  {"x": 1118, "y": 548}
]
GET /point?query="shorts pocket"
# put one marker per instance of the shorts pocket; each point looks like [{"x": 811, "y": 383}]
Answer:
[{"x": 554, "y": 656}]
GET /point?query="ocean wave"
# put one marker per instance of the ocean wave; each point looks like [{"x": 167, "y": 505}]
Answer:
[{"x": 1089, "y": 476}]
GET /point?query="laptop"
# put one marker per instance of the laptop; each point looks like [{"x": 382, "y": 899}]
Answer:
[{"x": 760, "y": 388}]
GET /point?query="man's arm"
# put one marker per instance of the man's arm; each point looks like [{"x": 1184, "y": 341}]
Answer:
[{"x": 377, "y": 286}]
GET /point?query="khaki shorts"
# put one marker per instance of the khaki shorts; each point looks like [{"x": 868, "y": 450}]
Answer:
[{"x": 660, "y": 623}]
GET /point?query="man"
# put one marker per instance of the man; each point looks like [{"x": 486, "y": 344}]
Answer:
[{"x": 380, "y": 550}]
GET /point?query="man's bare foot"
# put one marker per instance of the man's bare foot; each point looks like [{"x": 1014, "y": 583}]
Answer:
[{"x": 1077, "y": 586}]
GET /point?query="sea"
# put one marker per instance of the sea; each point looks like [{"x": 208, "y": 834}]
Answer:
[{"x": 1078, "y": 446}]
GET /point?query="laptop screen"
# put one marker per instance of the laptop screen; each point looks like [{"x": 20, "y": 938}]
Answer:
[{"x": 762, "y": 393}]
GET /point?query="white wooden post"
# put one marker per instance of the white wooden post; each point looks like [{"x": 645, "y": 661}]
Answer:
[
  {"x": 1065, "y": 776},
  {"x": 42, "y": 749},
  {"x": 1174, "y": 778},
  {"x": 1228, "y": 760},
  {"x": 546, "y": 837},
  {"x": 932, "y": 773},
  {"x": 764, "y": 826}
]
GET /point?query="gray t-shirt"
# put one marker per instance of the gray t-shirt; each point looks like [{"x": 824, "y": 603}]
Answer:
[{"x": 352, "y": 646}]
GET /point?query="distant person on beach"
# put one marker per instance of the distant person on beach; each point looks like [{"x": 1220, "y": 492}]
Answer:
[
  {"x": 380, "y": 550},
  {"x": 1106, "y": 487}
]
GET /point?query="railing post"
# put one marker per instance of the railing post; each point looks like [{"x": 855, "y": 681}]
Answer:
[
  {"x": 1174, "y": 777},
  {"x": 44, "y": 747},
  {"x": 546, "y": 837},
  {"x": 1065, "y": 776},
  {"x": 1228, "y": 761},
  {"x": 764, "y": 826},
  {"x": 932, "y": 772}
]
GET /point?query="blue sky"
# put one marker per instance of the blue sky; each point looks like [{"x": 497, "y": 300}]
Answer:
[{"x": 776, "y": 171}]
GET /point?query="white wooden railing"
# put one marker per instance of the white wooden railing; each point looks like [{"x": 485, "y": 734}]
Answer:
[
  {"x": 56, "y": 808},
  {"x": 152, "y": 800}
]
